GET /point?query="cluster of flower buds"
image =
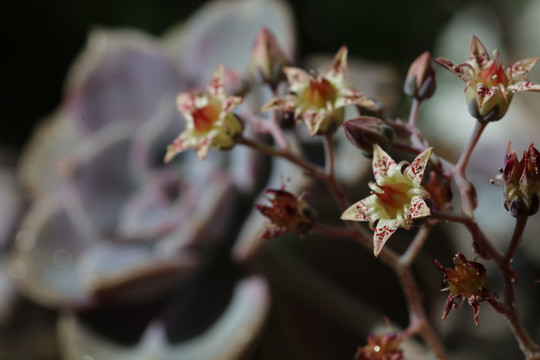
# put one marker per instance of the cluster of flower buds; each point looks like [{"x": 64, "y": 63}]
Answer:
[
  {"x": 467, "y": 281},
  {"x": 380, "y": 347},
  {"x": 420, "y": 80},
  {"x": 286, "y": 212},
  {"x": 366, "y": 131},
  {"x": 521, "y": 181}
]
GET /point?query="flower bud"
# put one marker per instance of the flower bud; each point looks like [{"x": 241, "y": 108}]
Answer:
[
  {"x": 366, "y": 131},
  {"x": 420, "y": 80},
  {"x": 468, "y": 280},
  {"x": 521, "y": 182},
  {"x": 267, "y": 58},
  {"x": 287, "y": 213}
]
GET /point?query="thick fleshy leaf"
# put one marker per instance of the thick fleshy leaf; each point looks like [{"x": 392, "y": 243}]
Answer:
[
  {"x": 361, "y": 211},
  {"x": 478, "y": 52},
  {"x": 120, "y": 76},
  {"x": 382, "y": 164},
  {"x": 385, "y": 228},
  {"x": 224, "y": 32},
  {"x": 418, "y": 208},
  {"x": 415, "y": 171},
  {"x": 227, "y": 339}
]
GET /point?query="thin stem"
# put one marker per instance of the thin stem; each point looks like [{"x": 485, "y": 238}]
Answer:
[
  {"x": 328, "y": 142},
  {"x": 270, "y": 151},
  {"x": 415, "y": 109},
  {"x": 415, "y": 246},
  {"x": 519, "y": 228},
  {"x": 465, "y": 188}
]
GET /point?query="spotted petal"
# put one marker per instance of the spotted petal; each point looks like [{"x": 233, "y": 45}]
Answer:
[
  {"x": 296, "y": 77},
  {"x": 385, "y": 228},
  {"x": 216, "y": 87},
  {"x": 338, "y": 68},
  {"x": 418, "y": 208},
  {"x": 351, "y": 96},
  {"x": 523, "y": 86},
  {"x": 285, "y": 103},
  {"x": 415, "y": 171},
  {"x": 179, "y": 144},
  {"x": 478, "y": 53},
  {"x": 382, "y": 164},
  {"x": 361, "y": 211},
  {"x": 463, "y": 72},
  {"x": 520, "y": 69},
  {"x": 314, "y": 119}
]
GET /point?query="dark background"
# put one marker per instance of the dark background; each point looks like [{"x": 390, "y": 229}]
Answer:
[{"x": 44, "y": 37}]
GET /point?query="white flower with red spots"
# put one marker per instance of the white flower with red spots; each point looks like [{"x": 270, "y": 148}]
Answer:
[
  {"x": 490, "y": 85},
  {"x": 319, "y": 100},
  {"x": 397, "y": 197},
  {"x": 209, "y": 119}
]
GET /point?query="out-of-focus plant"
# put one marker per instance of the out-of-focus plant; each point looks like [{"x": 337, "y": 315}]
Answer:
[{"x": 191, "y": 257}]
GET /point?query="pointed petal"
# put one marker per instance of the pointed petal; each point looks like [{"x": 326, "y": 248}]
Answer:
[
  {"x": 203, "y": 147},
  {"x": 351, "y": 96},
  {"x": 286, "y": 103},
  {"x": 361, "y": 211},
  {"x": 231, "y": 102},
  {"x": 478, "y": 52},
  {"x": 382, "y": 163},
  {"x": 520, "y": 69},
  {"x": 385, "y": 228},
  {"x": 179, "y": 144},
  {"x": 296, "y": 77},
  {"x": 217, "y": 86},
  {"x": 338, "y": 68},
  {"x": 313, "y": 119},
  {"x": 523, "y": 86},
  {"x": 185, "y": 102},
  {"x": 418, "y": 208},
  {"x": 462, "y": 71},
  {"x": 415, "y": 171}
]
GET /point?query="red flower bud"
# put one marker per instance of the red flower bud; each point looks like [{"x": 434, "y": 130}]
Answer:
[
  {"x": 420, "y": 80},
  {"x": 366, "y": 131}
]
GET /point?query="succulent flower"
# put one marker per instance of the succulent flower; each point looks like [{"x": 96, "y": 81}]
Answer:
[
  {"x": 467, "y": 281},
  {"x": 287, "y": 213},
  {"x": 319, "y": 100},
  {"x": 209, "y": 117},
  {"x": 420, "y": 80},
  {"x": 380, "y": 347},
  {"x": 490, "y": 86},
  {"x": 521, "y": 181},
  {"x": 397, "y": 198},
  {"x": 267, "y": 58}
]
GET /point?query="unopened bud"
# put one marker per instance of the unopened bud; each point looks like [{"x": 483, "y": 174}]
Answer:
[
  {"x": 521, "y": 182},
  {"x": 267, "y": 58},
  {"x": 366, "y": 131},
  {"x": 420, "y": 81}
]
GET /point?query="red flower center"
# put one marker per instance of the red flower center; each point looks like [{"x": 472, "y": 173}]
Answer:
[
  {"x": 319, "y": 92},
  {"x": 204, "y": 118},
  {"x": 494, "y": 75},
  {"x": 393, "y": 197}
]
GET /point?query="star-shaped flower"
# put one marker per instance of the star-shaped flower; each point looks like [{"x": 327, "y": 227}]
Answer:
[
  {"x": 467, "y": 281},
  {"x": 209, "y": 119},
  {"x": 319, "y": 100},
  {"x": 490, "y": 86},
  {"x": 397, "y": 198}
]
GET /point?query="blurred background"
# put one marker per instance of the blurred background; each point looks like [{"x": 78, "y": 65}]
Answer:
[{"x": 43, "y": 40}]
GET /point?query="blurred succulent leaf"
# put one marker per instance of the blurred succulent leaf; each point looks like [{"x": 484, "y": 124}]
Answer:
[
  {"x": 224, "y": 32},
  {"x": 121, "y": 75},
  {"x": 227, "y": 339}
]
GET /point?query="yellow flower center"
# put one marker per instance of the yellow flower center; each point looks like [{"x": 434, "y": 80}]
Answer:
[
  {"x": 318, "y": 93},
  {"x": 393, "y": 197}
]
